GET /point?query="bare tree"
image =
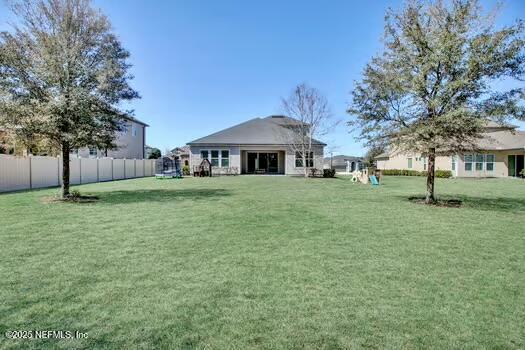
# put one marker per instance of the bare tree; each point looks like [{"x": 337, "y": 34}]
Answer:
[{"x": 312, "y": 119}]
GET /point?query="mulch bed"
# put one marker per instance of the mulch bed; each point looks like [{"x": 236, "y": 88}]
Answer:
[
  {"x": 73, "y": 199},
  {"x": 446, "y": 203}
]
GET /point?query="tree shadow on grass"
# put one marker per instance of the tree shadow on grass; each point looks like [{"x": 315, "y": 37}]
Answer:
[
  {"x": 500, "y": 204},
  {"x": 158, "y": 195}
]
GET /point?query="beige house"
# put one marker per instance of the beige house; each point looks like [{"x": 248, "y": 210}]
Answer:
[
  {"x": 255, "y": 147},
  {"x": 500, "y": 153},
  {"x": 131, "y": 143}
]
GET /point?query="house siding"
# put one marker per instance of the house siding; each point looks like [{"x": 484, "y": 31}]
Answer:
[
  {"x": 128, "y": 146},
  {"x": 286, "y": 163},
  {"x": 399, "y": 161}
]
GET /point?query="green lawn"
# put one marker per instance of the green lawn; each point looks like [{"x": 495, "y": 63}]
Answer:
[{"x": 267, "y": 262}]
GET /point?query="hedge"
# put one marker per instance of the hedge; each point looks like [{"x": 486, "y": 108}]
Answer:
[{"x": 445, "y": 174}]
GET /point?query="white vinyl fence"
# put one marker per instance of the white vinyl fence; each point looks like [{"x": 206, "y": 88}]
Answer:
[{"x": 20, "y": 173}]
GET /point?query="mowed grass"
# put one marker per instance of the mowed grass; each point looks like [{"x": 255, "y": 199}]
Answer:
[{"x": 256, "y": 262}]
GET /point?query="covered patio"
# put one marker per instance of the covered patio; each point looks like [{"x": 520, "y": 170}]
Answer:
[{"x": 262, "y": 162}]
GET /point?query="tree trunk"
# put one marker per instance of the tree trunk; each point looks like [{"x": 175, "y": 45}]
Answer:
[
  {"x": 305, "y": 167},
  {"x": 430, "y": 198},
  {"x": 65, "y": 170}
]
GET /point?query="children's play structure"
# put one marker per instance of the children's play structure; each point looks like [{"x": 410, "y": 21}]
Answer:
[
  {"x": 167, "y": 167},
  {"x": 203, "y": 169},
  {"x": 367, "y": 174}
]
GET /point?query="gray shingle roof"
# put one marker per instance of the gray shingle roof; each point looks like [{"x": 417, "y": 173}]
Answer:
[{"x": 258, "y": 131}]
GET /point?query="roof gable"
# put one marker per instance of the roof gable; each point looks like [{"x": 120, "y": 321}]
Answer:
[{"x": 256, "y": 131}]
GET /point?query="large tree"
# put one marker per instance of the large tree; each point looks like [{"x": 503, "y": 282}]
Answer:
[
  {"x": 63, "y": 73},
  {"x": 312, "y": 120},
  {"x": 432, "y": 88}
]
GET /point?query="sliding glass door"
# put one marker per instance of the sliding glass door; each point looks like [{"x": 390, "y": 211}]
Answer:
[
  {"x": 516, "y": 164},
  {"x": 263, "y": 162}
]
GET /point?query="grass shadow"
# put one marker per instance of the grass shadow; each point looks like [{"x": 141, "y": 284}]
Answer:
[
  {"x": 501, "y": 204},
  {"x": 159, "y": 195}
]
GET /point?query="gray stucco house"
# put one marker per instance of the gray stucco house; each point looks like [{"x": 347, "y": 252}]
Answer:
[
  {"x": 257, "y": 146},
  {"x": 131, "y": 143}
]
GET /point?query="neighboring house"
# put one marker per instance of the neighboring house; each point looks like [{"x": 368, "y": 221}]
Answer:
[
  {"x": 131, "y": 143},
  {"x": 257, "y": 146},
  {"x": 500, "y": 153},
  {"x": 183, "y": 153},
  {"x": 342, "y": 163}
]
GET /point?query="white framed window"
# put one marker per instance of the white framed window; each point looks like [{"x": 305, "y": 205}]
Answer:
[
  {"x": 490, "y": 159},
  {"x": 74, "y": 152},
  {"x": 425, "y": 163},
  {"x": 479, "y": 162},
  {"x": 133, "y": 130},
  {"x": 217, "y": 158},
  {"x": 409, "y": 163},
  {"x": 225, "y": 158},
  {"x": 93, "y": 152},
  {"x": 468, "y": 162},
  {"x": 214, "y": 158},
  {"x": 299, "y": 160},
  {"x": 454, "y": 160}
]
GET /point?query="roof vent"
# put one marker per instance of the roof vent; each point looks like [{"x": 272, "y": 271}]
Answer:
[{"x": 277, "y": 116}]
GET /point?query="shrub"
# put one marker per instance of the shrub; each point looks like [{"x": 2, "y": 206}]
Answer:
[
  {"x": 328, "y": 172},
  {"x": 444, "y": 174},
  {"x": 407, "y": 172},
  {"x": 186, "y": 170}
]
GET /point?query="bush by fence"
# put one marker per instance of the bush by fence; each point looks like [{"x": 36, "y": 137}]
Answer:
[
  {"x": 445, "y": 174},
  {"x": 20, "y": 173}
]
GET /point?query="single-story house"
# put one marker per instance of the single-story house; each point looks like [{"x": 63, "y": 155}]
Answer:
[
  {"x": 342, "y": 163},
  {"x": 257, "y": 146},
  {"x": 500, "y": 153}
]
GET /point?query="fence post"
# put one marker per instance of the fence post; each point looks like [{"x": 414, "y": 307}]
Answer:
[
  {"x": 30, "y": 174},
  {"x": 58, "y": 170},
  {"x": 124, "y": 168},
  {"x": 112, "y": 176},
  {"x": 98, "y": 174},
  {"x": 80, "y": 169},
  {"x": 135, "y": 167}
]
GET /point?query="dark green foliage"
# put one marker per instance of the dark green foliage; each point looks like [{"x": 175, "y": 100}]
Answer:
[
  {"x": 328, "y": 172},
  {"x": 186, "y": 170},
  {"x": 155, "y": 154},
  {"x": 444, "y": 174}
]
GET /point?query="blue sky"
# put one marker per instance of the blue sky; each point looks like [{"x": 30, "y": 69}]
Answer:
[{"x": 201, "y": 66}]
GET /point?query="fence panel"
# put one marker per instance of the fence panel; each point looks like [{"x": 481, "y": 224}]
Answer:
[
  {"x": 88, "y": 170},
  {"x": 105, "y": 169},
  {"x": 139, "y": 168},
  {"x": 15, "y": 173},
  {"x": 45, "y": 172},
  {"x": 118, "y": 169},
  {"x": 74, "y": 171},
  {"x": 19, "y": 173},
  {"x": 147, "y": 167},
  {"x": 129, "y": 165}
]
